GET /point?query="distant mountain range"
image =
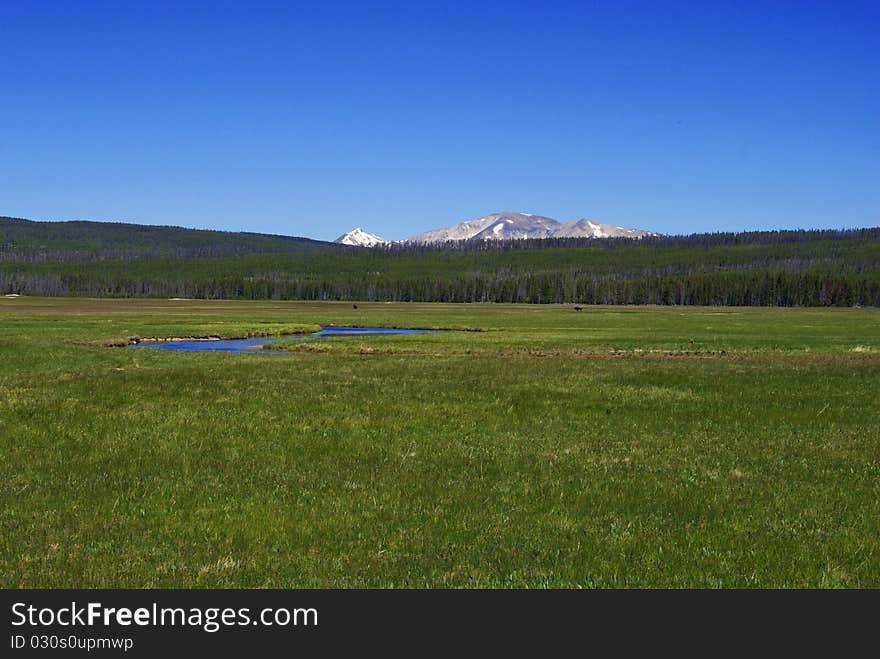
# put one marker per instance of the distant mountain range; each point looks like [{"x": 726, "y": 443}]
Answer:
[{"x": 503, "y": 226}]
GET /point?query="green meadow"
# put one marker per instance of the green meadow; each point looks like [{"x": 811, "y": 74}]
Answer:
[{"x": 527, "y": 446}]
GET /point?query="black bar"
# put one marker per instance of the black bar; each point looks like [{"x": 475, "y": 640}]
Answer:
[{"x": 545, "y": 623}]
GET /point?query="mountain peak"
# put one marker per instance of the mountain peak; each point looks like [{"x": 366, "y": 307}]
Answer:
[
  {"x": 360, "y": 238},
  {"x": 505, "y": 225},
  {"x": 516, "y": 226},
  {"x": 586, "y": 228}
]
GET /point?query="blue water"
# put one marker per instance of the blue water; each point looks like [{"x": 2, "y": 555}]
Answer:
[{"x": 243, "y": 345}]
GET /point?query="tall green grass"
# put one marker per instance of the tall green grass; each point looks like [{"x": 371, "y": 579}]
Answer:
[{"x": 611, "y": 447}]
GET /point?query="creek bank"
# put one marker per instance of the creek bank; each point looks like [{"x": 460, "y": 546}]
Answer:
[{"x": 231, "y": 336}]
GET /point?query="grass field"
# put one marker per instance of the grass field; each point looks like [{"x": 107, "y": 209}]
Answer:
[{"x": 617, "y": 446}]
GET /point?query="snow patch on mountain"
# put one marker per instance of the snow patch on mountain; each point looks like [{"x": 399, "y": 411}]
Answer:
[
  {"x": 589, "y": 229},
  {"x": 360, "y": 238},
  {"x": 497, "y": 226}
]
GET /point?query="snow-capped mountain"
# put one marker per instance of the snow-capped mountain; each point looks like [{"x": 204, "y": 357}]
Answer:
[
  {"x": 589, "y": 229},
  {"x": 513, "y": 226},
  {"x": 360, "y": 238},
  {"x": 495, "y": 226}
]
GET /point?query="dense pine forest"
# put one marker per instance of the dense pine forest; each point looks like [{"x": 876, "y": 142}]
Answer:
[
  {"x": 779, "y": 268},
  {"x": 27, "y": 241}
]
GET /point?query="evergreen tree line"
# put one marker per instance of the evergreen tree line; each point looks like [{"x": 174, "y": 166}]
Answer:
[
  {"x": 787, "y": 268},
  {"x": 783, "y": 237},
  {"x": 26, "y": 241},
  {"x": 817, "y": 286}
]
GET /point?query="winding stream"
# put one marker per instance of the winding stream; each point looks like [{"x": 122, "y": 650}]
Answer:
[{"x": 247, "y": 345}]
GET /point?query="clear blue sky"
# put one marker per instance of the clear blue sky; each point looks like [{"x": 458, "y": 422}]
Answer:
[{"x": 309, "y": 119}]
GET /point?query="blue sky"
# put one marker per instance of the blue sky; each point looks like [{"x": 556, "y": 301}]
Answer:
[{"x": 309, "y": 119}]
